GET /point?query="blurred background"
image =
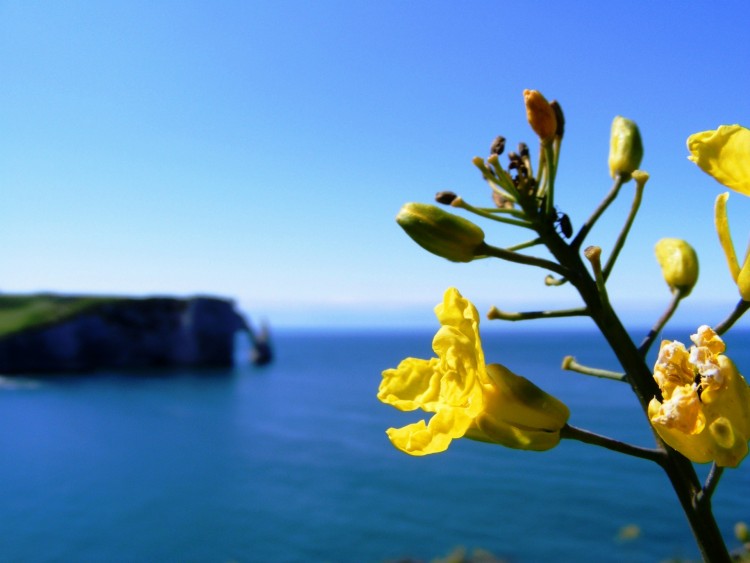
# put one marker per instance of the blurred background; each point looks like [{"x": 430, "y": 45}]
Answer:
[{"x": 261, "y": 150}]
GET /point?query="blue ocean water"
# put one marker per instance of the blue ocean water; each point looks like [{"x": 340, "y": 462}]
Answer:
[{"x": 291, "y": 463}]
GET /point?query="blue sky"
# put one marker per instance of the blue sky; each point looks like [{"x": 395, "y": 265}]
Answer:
[{"x": 261, "y": 150}]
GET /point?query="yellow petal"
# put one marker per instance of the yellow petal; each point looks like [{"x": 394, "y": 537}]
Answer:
[
  {"x": 489, "y": 429},
  {"x": 423, "y": 439},
  {"x": 515, "y": 400},
  {"x": 682, "y": 411},
  {"x": 461, "y": 315},
  {"x": 743, "y": 280},
  {"x": 695, "y": 447},
  {"x": 724, "y": 154},
  {"x": 725, "y": 237},
  {"x": 413, "y": 384},
  {"x": 729, "y": 449}
]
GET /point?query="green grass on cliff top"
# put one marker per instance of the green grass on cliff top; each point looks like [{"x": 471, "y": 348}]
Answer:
[{"x": 22, "y": 312}]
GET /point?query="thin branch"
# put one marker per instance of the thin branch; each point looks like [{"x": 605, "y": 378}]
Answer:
[
  {"x": 711, "y": 482},
  {"x": 527, "y": 244},
  {"x": 488, "y": 250},
  {"x": 677, "y": 295},
  {"x": 496, "y": 314},
  {"x": 460, "y": 203},
  {"x": 573, "y": 433},
  {"x": 569, "y": 363},
  {"x": 625, "y": 229},
  {"x": 578, "y": 240},
  {"x": 727, "y": 323}
]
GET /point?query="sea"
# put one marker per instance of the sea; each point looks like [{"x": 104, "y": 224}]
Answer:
[{"x": 290, "y": 463}]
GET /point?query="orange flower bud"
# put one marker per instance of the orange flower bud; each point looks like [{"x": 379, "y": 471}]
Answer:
[{"x": 540, "y": 114}]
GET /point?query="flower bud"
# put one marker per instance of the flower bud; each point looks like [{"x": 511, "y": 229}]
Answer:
[
  {"x": 444, "y": 234},
  {"x": 679, "y": 264},
  {"x": 518, "y": 414},
  {"x": 540, "y": 114},
  {"x": 625, "y": 147}
]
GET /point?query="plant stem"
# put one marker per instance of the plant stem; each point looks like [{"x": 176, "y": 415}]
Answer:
[
  {"x": 679, "y": 469},
  {"x": 570, "y": 364},
  {"x": 488, "y": 250},
  {"x": 573, "y": 433},
  {"x": 578, "y": 240},
  {"x": 727, "y": 323},
  {"x": 460, "y": 203},
  {"x": 497, "y": 314},
  {"x": 711, "y": 482},
  {"x": 625, "y": 229},
  {"x": 666, "y": 315}
]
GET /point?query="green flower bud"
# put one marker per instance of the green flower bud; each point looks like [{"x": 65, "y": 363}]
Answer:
[
  {"x": 442, "y": 233},
  {"x": 679, "y": 264},
  {"x": 625, "y": 147}
]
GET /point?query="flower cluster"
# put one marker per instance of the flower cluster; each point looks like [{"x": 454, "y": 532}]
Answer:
[
  {"x": 469, "y": 398},
  {"x": 705, "y": 412}
]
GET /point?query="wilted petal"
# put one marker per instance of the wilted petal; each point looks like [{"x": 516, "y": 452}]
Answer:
[
  {"x": 725, "y": 237},
  {"x": 435, "y": 437},
  {"x": 412, "y": 385},
  {"x": 724, "y": 154}
]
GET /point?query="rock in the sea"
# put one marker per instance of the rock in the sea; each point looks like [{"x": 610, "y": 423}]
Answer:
[{"x": 129, "y": 334}]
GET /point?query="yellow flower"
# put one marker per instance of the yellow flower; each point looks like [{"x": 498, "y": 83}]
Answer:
[
  {"x": 705, "y": 413},
  {"x": 469, "y": 399},
  {"x": 724, "y": 154}
]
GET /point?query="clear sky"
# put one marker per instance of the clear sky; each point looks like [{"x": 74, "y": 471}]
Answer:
[{"x": 261, "y": 150}]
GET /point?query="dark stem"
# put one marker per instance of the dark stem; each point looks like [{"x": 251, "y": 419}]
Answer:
[
  {"x": 653, "y": 333},
  {"x": 578, "y": 240},
  {"x": 727, "y": 323},
  {"x": 573, "y": 433},
  {"x": 711, "y": 482},
  {"x": 679, "y": 469},
  {"x": 487, "y": 250}
]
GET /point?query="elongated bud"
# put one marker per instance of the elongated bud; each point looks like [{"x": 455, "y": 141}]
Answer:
[
  {"x": 540, "y": 114},
  {"x": 518, "y": 414},
  {"x": 444, "y": 234},
  {"x": 625, "y": 147},
  {"x": 679, "y": 264}
]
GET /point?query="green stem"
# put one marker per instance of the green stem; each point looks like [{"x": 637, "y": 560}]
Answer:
[
  {"x": 625, "y": 230},
  {"x": 527, "y": 244},
  {"x": 549, "y": 157},
  {"x": 487, "y": 250},
  {"x": 587, "y": 226},
  {"x": 570, "y": 364},
  {"x": 460, "y": 203}
]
